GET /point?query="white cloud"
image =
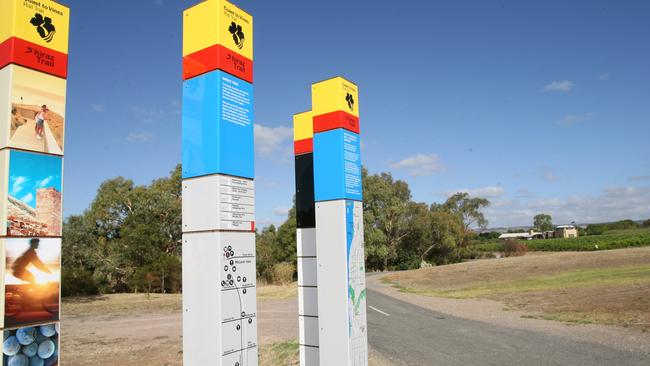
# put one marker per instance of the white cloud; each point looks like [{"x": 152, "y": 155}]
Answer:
[
  {"x": 149, "y": 115},
  {"x": 549, "y": 174},
  {"x": 486, "y": 192},
  {"x": 559, "y": 86},
  {"x": 574, "y": 119},
  {"x": 175, "y": 106},
  {"x": 614, "y": 203},
  {"x": 266, "y": 183},
  {"x": 270, "y": 141},
  {"x": 420, "y": 164},
  {"x": 99, "y": 108},
  {"x": 639, "y": 178},
  {"x": 524, "y": 192},
  {"x": 18, "y": 184},
  {"x": 44, "y": 182},
  {"x": 28, "y": 198},
  {"x": 281, "y": 211},
  {"x": 139, "y": 137}
]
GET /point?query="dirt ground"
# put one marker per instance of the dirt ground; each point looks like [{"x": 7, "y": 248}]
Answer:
[
  {"x": 135, "y": 329},
  {"x": 548, "y": 285}
]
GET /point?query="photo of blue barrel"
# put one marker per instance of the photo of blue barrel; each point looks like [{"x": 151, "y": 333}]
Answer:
[{"x": 31, "y": 346}]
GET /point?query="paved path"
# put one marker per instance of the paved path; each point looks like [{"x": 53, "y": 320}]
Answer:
[
  {"x": 25, "y": 137},
  {"x": 411, "y": 335}
]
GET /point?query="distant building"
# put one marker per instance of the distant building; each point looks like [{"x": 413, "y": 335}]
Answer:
[
  {"x": 566, "y": 231},
  {"x": 530, "y": 235}
]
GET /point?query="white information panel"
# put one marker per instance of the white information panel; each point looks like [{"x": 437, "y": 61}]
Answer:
[
  {"x": 218, "y": 202},
  {"x": 341, "y": 282},
  {"x": 219, "y": 299}
]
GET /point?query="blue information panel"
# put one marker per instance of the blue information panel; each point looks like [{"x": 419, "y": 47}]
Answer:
[
  {"x": 337, "y": 165},
  {"x": 217, "y": 126}
]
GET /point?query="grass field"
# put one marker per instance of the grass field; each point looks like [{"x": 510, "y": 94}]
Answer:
[
  {"x": 277, "y": 292},
  {"x": 562, "y": 281},
  {"x": 610, "y": 287},
  {"x": 280, "y": 354},
  {"x": 642, "y": 230}
]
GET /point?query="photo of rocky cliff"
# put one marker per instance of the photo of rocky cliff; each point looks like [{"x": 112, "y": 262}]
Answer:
[{"x": 34, "y": 195}]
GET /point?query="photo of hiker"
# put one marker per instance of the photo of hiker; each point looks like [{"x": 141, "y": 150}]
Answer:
[
  {"x": 36, "y": 119},
  {"x": 32, "y": 278},
  {"x": 33, "y": 194},
  {"x": 41, "y": 117}
]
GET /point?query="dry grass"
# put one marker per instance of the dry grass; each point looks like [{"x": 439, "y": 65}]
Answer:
[
  {"x": 121, "y": 304},
  {"x": 280, "y": 354},
  {"x": 126, "y": 304},
  {"x": 277, "y": 292},
  {"x": 611, "y": 287},
  {"x": 288, "y": 354}
]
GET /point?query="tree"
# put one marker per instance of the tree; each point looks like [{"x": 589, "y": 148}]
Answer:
[
  {"x": 468, "y": 209},
  {"x": 446, "y": 239},
  {"x": 646, "y": 223},
  {"x": 128, "y": 235},
  {"x": 543, "y": 222},
  {"x": 386, "y": 216},
  {"x": 277, "y": 246}
]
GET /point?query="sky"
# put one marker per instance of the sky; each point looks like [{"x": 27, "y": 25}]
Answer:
[
  {"x": 537, "y": 106},
  {"x": 29, "y": 172}
]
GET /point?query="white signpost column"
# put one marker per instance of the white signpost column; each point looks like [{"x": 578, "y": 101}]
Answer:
[
  {"x": 219, "y": 285},
  {"x": 33, "y": 79},
  {"x": 306, "y": 239},
  {"x": 339, "y": 224}
]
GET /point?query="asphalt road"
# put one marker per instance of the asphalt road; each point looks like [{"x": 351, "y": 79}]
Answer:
[{"x": 410, "y": 335}]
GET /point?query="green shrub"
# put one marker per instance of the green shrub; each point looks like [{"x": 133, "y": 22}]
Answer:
[
  {"x": 282, "y": 273},
  {"x": 514, "y": 248},
  {"x": 582, "y": 243},
  {"x": 494, "y": 246}
]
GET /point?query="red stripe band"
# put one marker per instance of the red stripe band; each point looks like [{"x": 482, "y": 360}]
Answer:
[
  {"x": 217, "y": 57},
  {"x": 20, "y": 52},
  {"x": 334, "y": 120},
  {"x": 303, "y": 146}
]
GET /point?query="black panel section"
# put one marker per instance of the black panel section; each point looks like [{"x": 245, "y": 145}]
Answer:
[{"x": 305, "y": 205}]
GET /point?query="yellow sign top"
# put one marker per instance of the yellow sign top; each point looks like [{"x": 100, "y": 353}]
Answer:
[
  {"x": 336, "y": 94},
  {"x": 217, "y": 22},
  {"x": 303, "y": 127},
  {"x": 42, "y": 22}
]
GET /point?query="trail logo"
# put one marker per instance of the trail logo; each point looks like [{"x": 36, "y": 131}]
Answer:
[
  {"x": 44, "y": 27},
  {"x": 350, "y": 99},
  {"x": 237, "y": 34}
]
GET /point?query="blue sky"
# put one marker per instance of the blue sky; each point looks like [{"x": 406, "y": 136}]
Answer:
[
  {"x": 29, "y": 172},
  {"x": 539, "y": 106}
]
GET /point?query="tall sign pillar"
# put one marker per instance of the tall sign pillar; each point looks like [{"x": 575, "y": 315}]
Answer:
[
  {"x": 33, "y": 72},
  {"x": 219, "y": 284},
  {"x": 343, "y": 336},
  {"x": 306, "y": 239}
]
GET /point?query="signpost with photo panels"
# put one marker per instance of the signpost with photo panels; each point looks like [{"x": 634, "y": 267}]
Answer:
[
  {"x": 33, "y": 72},
  {"x": 219, "y": 273}
]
